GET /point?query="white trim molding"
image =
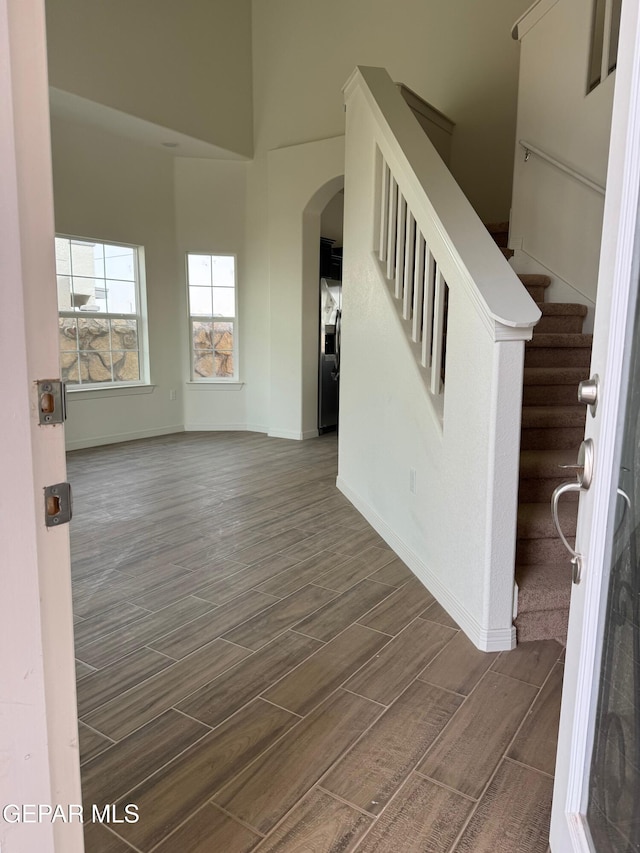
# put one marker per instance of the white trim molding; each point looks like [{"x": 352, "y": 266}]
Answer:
[
  {"x": 99, "y": 440},
  {"x": 232, "y": 384},
  {"x": 93, "y": 392},
  {"x": 295, "y": 436},
  {"x": 193, "y": 427}
]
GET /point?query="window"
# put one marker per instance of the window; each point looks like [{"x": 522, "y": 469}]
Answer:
[
  {"x": 101, "y": 328},
  {"x": 211, "y": 281}
]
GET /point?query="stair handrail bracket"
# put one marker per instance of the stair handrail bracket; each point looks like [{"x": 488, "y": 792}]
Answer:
[{"x": 435, "y": 323}]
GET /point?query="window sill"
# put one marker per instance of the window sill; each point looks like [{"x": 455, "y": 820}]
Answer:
[
  {"x": 215, "y": 383},
  {"x": 95, "y": 393}
]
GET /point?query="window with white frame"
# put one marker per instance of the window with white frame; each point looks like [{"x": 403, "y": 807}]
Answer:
[
  {"x": 100, "y": 312},
  {"x": 211, "y": 284}
]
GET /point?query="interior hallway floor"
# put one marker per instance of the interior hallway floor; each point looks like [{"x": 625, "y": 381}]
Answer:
[{"x": 257, "y": 671}]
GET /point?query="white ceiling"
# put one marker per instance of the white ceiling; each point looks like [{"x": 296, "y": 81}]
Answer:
[{"x": 69, "y": 106}]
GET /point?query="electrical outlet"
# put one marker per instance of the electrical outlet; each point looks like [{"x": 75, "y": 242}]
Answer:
[
  {"x": 172, "y": 394},
  {"x": 413, "y": 478}
]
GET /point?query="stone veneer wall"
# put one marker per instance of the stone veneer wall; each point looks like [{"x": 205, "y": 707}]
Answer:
[{"x": 98, "y": 350}]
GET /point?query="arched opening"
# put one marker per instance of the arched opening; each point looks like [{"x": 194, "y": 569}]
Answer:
[
  {"x": 330, "y": 313},
  {"x": 322, "y": 217},
  {"x": 302, "y": 181}
]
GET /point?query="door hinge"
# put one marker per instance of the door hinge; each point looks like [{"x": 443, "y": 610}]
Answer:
[
  {"x": 52, "y": 407},
  {"x": 58, "y": 504}
]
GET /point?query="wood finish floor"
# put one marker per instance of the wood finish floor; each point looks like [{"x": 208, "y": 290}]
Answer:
[{"x": 257, "y": 671}]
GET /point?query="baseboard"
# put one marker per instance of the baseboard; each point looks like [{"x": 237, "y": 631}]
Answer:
[
  {"x": 295, "y": 436},
  {"x": 224, "y": 428},
  {"x": 290, "y": 434},
  {"x": 486, "y": 640},
  {"x": 117, "y": 438}
]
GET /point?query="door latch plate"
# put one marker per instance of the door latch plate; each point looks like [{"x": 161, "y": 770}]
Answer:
[
  {"x": 58, "y": 504},
  {"x": 51, "y": 402}
]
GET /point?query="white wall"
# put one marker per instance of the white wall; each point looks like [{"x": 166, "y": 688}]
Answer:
[
  {"x": 462, "y": 59},
  {"x": 556, "y": 221},
  {"x": 185, "y": 66},
  {"x": 109, "y": 188},
  {"x": 210, "y": 217},
  {"x": 302, "y": 179},
  {"x": 457, "y": 55}
]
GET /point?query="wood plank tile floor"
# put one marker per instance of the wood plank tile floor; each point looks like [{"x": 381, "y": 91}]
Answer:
[{"x": 257, "y": 671}]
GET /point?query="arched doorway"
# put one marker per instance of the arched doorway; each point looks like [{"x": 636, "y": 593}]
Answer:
[
  {"x": 330, "y": 313},
  {"x": 302, "y": 181}
]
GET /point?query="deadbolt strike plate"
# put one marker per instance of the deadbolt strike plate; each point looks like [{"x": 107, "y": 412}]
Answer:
[
  {"x": 52, "y": 407},
  {"x": 58, "y": 504}
]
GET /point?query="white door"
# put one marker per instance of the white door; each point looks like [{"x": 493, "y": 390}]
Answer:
[
  {"x": 39, "y": 762},
  {"x": 596, "y": 801}
]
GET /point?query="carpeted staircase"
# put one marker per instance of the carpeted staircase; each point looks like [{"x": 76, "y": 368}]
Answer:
[{"x": 556, "y": 360}]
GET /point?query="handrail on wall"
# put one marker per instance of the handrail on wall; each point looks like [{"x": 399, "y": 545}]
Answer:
[{"x": 531, "y": 149}]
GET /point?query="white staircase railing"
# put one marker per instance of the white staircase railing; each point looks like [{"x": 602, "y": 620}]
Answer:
[
  {"x": 434, "y": 325},
  {"x": 417, "y": 280}
]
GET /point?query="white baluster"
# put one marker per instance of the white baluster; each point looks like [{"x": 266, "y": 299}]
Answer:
[
  {"x": 384, "y": 211},
  {"x": 418, "y": 287},
  {"x": 392, "y": 220},
  {"x": 427, "y": 309},
  {"x": 409, "y": 265},
  {"x": 438, "y": 337},
  {"x": 400, "y": 244}
]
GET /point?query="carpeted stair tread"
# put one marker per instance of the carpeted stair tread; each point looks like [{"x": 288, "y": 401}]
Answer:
[
  {"x": 536, "y": 285},
  {"x": 534, "y": 279},
  {"x": 550, "y": 356},
  {"x": 540, "y": 489},
  {"x": 552, "y": 386},
  {"x": 543, "y": 438},
  {"x": 560, "y": 340},
  {"x": 539, "y": 417},
  {"x": 499, "y": 231},
  {"x": 497, "y": 227},
  {"x": 550, "y": 395},
  {"x": 542, "y": 625},
  {"x": 565, "y": 317},
  {"x": 541, "y": 552},
  {"x": 545, "y": 587},
  {"x": 541, "y": 472},
  {"x": 562, "y": 308},
  {"x": 538, "y": 464},
  {"x": 555, "y": 376},
  {"x": 535, "y": 521},
  {"x": 508, "y": 253}
]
